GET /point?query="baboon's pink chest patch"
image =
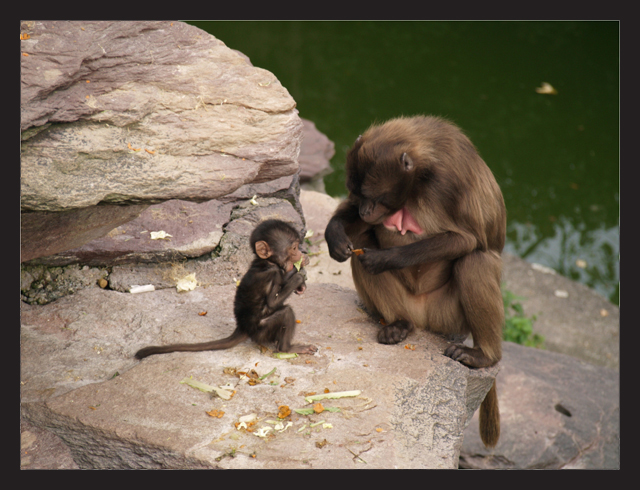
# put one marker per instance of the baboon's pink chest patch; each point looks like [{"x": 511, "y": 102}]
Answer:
[{"x": 403, "y": 221}]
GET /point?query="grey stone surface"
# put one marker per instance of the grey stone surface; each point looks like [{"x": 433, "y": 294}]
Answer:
[
  {"x": 557, "y": 412},
  {"x": 581, "y": 323},
  {"x": 81, "y": 382}
]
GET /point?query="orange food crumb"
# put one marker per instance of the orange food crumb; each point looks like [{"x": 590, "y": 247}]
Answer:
[
  {"x": 150, "y": 151},
  {"x": 283, "y": 411},
  {"x": 358, "y": 251},
  {"x": 318, "y": 408},
  {"x": 202, "y": 313},
  {"x": 410, "y": 347},
  {"x": 25, "y": 54}
]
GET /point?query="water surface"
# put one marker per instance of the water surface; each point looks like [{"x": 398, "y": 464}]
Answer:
[{"x": 556, "y": 157}]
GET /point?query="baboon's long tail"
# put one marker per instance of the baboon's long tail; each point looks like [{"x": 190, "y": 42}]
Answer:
[{"x": 490, "y": 418}]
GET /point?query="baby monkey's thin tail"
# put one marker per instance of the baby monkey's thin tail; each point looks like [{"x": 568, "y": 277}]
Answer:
[{"x": 232, "y": 340}]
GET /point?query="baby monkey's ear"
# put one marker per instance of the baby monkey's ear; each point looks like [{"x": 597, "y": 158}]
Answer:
[{"x": 263, "y": 250}]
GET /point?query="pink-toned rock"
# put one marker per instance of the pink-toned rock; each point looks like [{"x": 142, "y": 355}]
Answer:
[
  {"x": 140, "y": 113},
  {"x": 155, "y": 111},
  {"x": 48, "y": 233}
]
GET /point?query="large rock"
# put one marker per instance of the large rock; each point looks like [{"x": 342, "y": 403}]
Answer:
[
  {"x": 196, "y": 228},
  {"x": 556, "y": 412},
  {"x": 143, "y": 112},
  {"x": 80, "y": 381}
]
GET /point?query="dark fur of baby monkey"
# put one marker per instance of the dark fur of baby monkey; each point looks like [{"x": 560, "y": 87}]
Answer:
[{"x": 259, "y": 308}]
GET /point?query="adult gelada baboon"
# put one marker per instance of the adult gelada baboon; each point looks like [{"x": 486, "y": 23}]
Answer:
[{"x": 430, "y": 219}]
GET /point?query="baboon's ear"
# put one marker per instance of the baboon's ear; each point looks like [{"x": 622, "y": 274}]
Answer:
[
  {"x": 263, "y": 250},
  {"x": 407, "y": 162}
]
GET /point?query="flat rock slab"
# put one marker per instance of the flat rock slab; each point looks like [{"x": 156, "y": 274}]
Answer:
[
  {"x": 80, "y": 381},
  {"x": 48, "y": 233},
  {"x": 195, "y": 229}
]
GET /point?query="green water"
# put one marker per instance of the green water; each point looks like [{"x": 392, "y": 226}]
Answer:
[{"x": 556, "y": 157}]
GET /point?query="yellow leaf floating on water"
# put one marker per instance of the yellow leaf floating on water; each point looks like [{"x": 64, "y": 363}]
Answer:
[{"x": 546, "y": 88}]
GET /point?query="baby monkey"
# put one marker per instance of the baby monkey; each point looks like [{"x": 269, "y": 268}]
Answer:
[{"x": 259, "y": 303}]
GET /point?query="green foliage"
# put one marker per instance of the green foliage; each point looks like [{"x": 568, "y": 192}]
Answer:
[{"x": 518, "y": 328}]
